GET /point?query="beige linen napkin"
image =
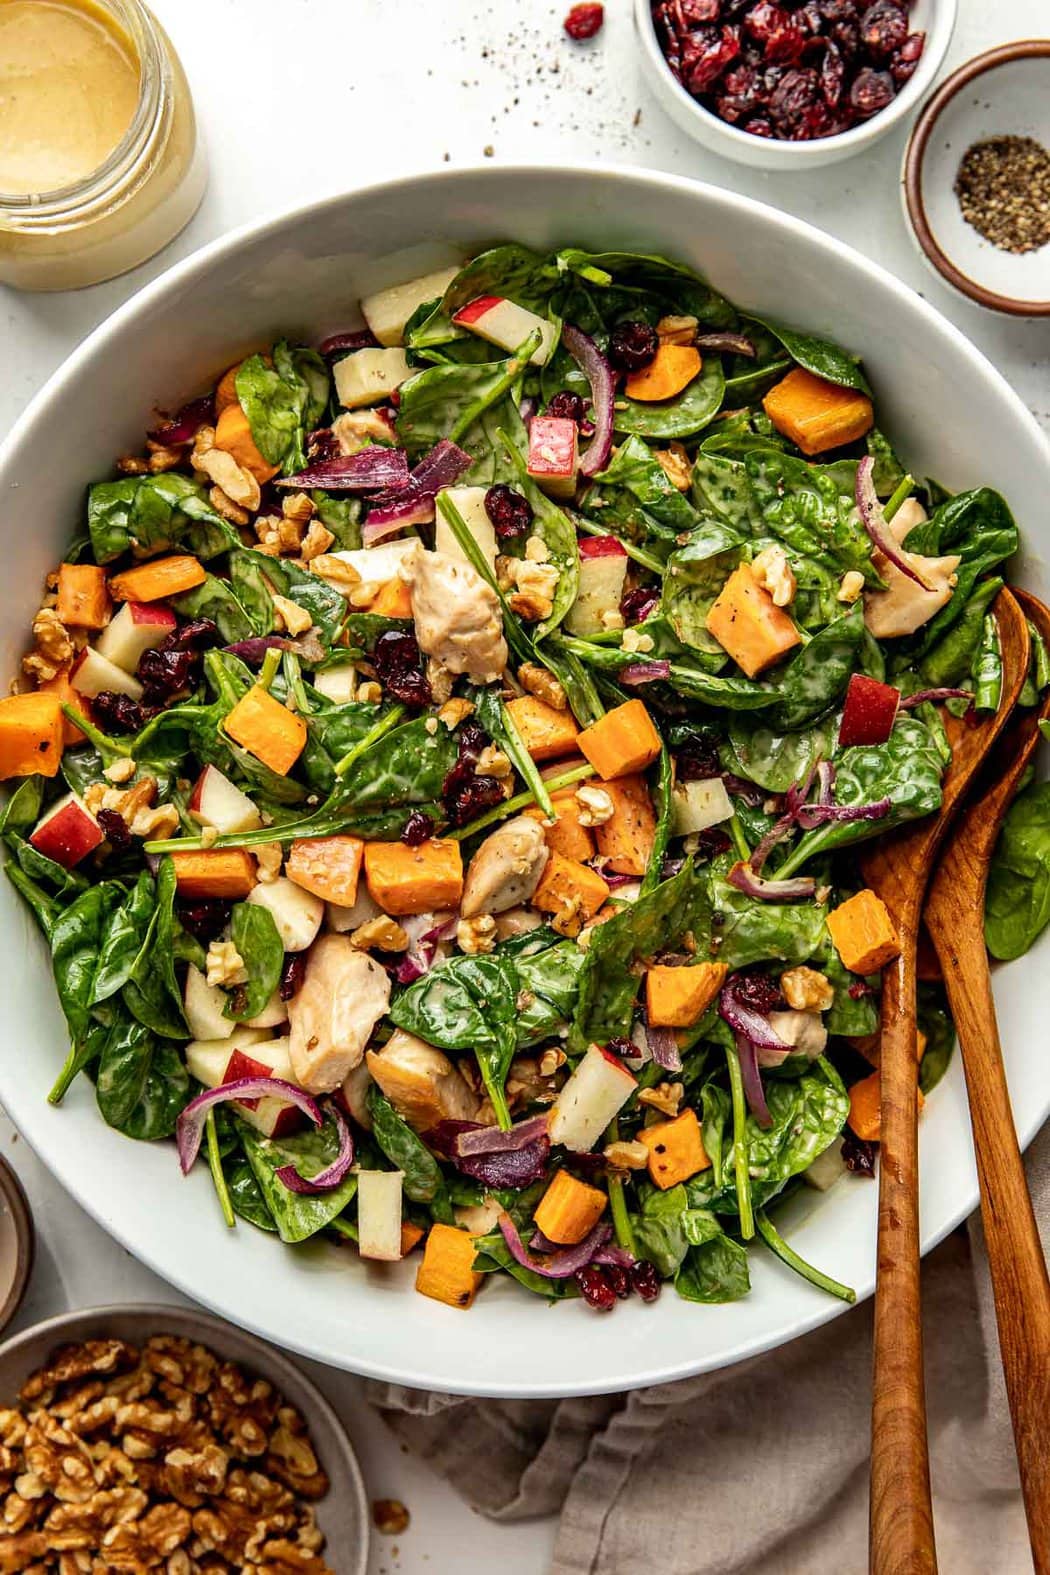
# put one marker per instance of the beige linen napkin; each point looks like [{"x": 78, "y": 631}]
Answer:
[{"x": 759, "y": 1467}]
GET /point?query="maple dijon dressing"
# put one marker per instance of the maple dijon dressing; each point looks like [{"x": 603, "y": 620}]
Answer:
[{"x": 99, "y": 160}]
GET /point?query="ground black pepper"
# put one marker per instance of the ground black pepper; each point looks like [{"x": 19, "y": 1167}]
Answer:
[{"x": 1003, "y": 187}]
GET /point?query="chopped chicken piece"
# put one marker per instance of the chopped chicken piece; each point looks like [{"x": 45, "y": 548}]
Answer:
[
  {"x": 421, "y": 1083},
  {"x": 457, "y": 616},
  {"x": 904, "y": 605},
  {"x": 343, "y": 996},
  {"x": 506, "y": 868}
]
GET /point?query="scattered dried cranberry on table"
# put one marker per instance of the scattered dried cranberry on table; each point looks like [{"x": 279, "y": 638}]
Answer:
[
  {"x": 789, "y": 71},
  {"x": 583, "y": 21}
]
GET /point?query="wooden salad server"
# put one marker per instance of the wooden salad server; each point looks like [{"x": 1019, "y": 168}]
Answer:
[
  {"x": 954, "y": 916},
  {"x": 898, "y": 868}
]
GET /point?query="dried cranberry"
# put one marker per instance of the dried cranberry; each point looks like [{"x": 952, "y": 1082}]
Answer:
[
  {"x": 418, "y": 828},
  {"x": 838, "y": 10},
  {"x": 322, "y": 444},
  {"x": 741, "y": 93},
  {"x": 115, "y": 828},
  {"x": 759, "y": 127},
  {"x": 871, "y": 91},
  {"x": 471, "y": 739},
  {"x": 569, "y": 406},
  {"x": 632, "y": 345},
  {"x": 196, "y": 634},
  {"x": 710, "y": 843},
  {"x": 858, "y": 1154},
  {"x": 695, "y": 12},
  {"x": 832, "y": 74},
  {"x": 793, "y": 95},
  {"x": 595, "y": 1288},
  {"x": 904, "y": 62},
  {"x": 626, "y": 1049},
  {"x": 206, "y": 919},
  {"x": 583, "y": 21},
  {"x": 399, "y": 668},
  {"x": 293, "y": 972},
  {"x": 166, "y": 675},
  {"x": 847, "y": 36},
  {"x": 858, "y": 990},
  {"x": 465, "y": 794},
  {"x": 639, "y": 603},
  {"x": 509, "y": 510},
  {"x": 619, "y": 1279},
  {"x": 120, "y": 714},
  {"x": 645, "y": 1280},
  {"x": 697, "y": 758},
  {"x": 777, "y": 31},
  {"x": 758, "y": 990},
  {"x": 883, "y": 28}
]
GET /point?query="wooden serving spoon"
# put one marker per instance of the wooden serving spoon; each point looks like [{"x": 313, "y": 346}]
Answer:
[
  {"x": 954, "y": 916},
  {"x": 898, "y": 868}
]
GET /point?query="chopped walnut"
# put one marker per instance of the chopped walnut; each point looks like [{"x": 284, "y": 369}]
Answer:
[
  {"x": 223, "y": 504},
  {"x": 774, "y": 573},
  {"x": 162, "y": 821},
  {"x": 531, "y": 606},
  {"x": 665, "y": 1097},
  {"x": 850, "y": 586},
  {"x": 133, "y": 465},
  {"x": 121, "y": 770},
  {"x": 536, "y": 550},
  {"x": 357, "y": 429},
  {"x": 492, "y": 762},
  {"x": 383, "y": 932},
  {"x": 675, "y": 464},
  {"x": 267, "y": 528},
  {"x": 298, "y": 506},
  {"x": 594, "y": 803},
  {"x": 635, "y": 641},
  {"x": 364, "y": 593},
  {"x": 612, "y": 618},
  {"x": 221, "y": 468},
  {"x": 806, "y": 990},
  {"x": 54, "y": 646},
  {"x": 290, "y": 534},
  {"x": 336, "y": 571},
  {"x": 476, "y": 936},
  {"x": 677, "y": 330},
  {"x": 269, "y": 856},
  {"x": 455, "y": 711},
  {"x": 568, "y": 919},
  {"x": 550, "y": 1061},
  {"x": 316, "y": 542},
  {"x": 539, "y": 681},
  {"x": 370, "y": 692},
  {"x": 626, "y": 1156},
  {"x": 162, "y": 458},
  {"x": 440, "y": 678},
  {"x": 290, "y": 616},
  {"x": 225, "y": 965}
]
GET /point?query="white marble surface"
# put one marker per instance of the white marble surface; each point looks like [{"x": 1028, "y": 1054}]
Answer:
[{"x": 301, "y": 98}]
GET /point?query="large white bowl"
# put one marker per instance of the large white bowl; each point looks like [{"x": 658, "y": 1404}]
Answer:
[{"x": 953, "y": 416}]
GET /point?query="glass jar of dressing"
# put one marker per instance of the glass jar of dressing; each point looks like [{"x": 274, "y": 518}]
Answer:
[{"x": 100, "y": 164}]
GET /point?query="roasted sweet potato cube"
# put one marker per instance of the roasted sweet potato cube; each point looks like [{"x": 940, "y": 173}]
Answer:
[
  {"x": 569, "y": 1209},
  {"x": 157, "y": 580},
  {"x": 676, "y": 1150},
  {"x": 748, "y": 624},
  {"x": 679, "y": 997},
  {"x": 67, "y": 695},
  {"x": 864, "y": 934},
  {"x": 546, "y": 733},
  {"x": 228, "y": 873},
  {"x": 31, "y": 732},
  {"x": 622, "y": 742},
  {"x": 393, "y": 599},
  {"x": 571, "y": 892},
  {"x": 233, "y": 433},
  {"x": 83, "y": 596},
  {"x": 411, "y": 1236},
  {"x": 446, "y": 1272},
  {"x": 327, "y": 866},
  {"x": 816, "y": 414},
  {"x": 404, "y": 880},
  {"x": 626, "y": 841},
  {"x": 865, "y": 1107},
  {"x": 672, "y": 368},
  {"x": 566, "y": 836},
  {"x": 267, "y": 730}
]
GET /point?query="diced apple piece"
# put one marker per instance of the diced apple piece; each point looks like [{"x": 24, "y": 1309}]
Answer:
[
  {"x": 554, "y": 454},
  {"x": 470, "y": 502},
  {"x": 600, "y": 1086},
  {"x": 338, "y": 684},
  {"x": 603, "y": 570},
  {"x": 208, "y": 1059},
  {"x": 68, "y": 832},
  {"x": 269, "y": 1058},
  {"x": 826, "y": 1169},
  {"x": 869, "y": 712},
  {"x": 215, "y": 801},
  {"x": 700, "y": 805},
  {"x": 343, "y": 920},
  {"x": 379, "y": 1214},
  {"x": 204, "y": 1005},
  {"x": 296, "y": 913},
  {"x": 502, "y": 323},
  {"x": 368, "y": 377},
  {"x": 273, "y": 1014},
  {"x": 387, "y": 311},
  {"x": 381, "y": 562},
  {"x": 93, "y": 674},
  {"x": 137, "y": 628}
]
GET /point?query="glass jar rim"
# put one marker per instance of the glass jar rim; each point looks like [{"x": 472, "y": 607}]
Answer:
[{"x": 78, "y": 198}]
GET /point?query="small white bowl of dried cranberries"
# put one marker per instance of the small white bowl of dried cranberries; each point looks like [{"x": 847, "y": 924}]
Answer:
[{"x": 790, "y": 84}]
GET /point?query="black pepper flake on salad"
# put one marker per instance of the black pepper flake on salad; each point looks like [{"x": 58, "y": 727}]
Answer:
[{"x": 465, "y": 847}]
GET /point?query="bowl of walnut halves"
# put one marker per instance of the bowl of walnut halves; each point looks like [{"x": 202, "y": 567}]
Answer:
[{"x": 140, "y": 1438}]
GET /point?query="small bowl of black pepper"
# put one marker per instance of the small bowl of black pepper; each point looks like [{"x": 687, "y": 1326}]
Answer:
[{"x": 976, "y": 180}]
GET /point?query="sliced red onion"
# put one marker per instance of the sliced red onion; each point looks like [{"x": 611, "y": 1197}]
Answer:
[
  {"x": 254, "y": 650},
  {"x": 414, "y": 504},
  {"x": 776, "y": 833},
  {"x": 743, "y": 877},
  {"x": 935, "y": 696},
  {"x": 612, "y": 878},
  {"x": 371, "y": 469},
  {"x": 189, "y": 1128},
  {"x": 396, "y": 516},
  {"x": 663, "y": 1047},
  {"x": 747, "y": 1020},
  {"x": 332, "y": 1174},
  {"x": 410, "y": 968},
  {"x": 560, "y": 1265},
  {"x": 751, "y": 1078},
  {"x": 614, "y": 1257},
  {"x": 444, "y": 930},
  {"x": 186, "y": 423},
  {"x": 527, "y": 409},
  {"x": 490, "y": 1140},
  {"x": 514, "y": 1168},
  {"x": 825, "y": 781},
  {"x": 811, "y": 815},
  {"x": 726, "y": 344},
  {"x": 874, "y": 522},
  {"x": 599, "y": 374},
  {"x": 643, "y": 672},
  {"x": 356, "y": 339},
  {"x": 798, "y": 793}
]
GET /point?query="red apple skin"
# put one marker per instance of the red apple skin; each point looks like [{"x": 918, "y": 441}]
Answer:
[
  {"x": 68, "y": 835},
  {"x": 151, "y": 612},
  {"x": 869, "y": 712},
  {"x": 552, "y": 446},
  {"x": 601, "y": 547},
  {"x": 614, "y": 1060},
  {"x": 240, "y": 1065},
  {"x": 476, "y": 309}
]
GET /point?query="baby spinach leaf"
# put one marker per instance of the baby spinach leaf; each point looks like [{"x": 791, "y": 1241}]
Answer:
[
  {"x": 888, "y": 472},
  {"x": 153, "y": 512},
  {"x": 254, "y": 934},
  {"x": 822, "y": 357},
  {"x": 1017, "y": 904},
  {"x": 816, "y": 678},
  {"x": 656, "y": 923},
  {"x": 850, "y": 1015},
  {"x": 22, "y": 810},
  {"x": 405, "y": 1151},
  {"x": 715, "y": 1268},
  {"x": 283, "y": 402},
  {"x": 43, "y": 907},
  {"x": 979, "y": 527},
  {"x": 142, "y": 1084},
  {"x": 811, "y": 508},
  {"x": 342, "y": 516},
  {"x": 663, "y": 803},
  {"x": 680, "y": 417},
  {"x": 946, "y": 663},
  {"x": 438, "y": 402},
  {"x": 987, "y": 671},
  {"x": 775, "y": 760},
  {"x": 659, "y": 1231},
  {"x": 512, "y": 271},
  {"x": 405, "y": 768},
  {"x": 152, "y": 992},
  {"x": 720, "y": 485},
  {"x": 693, "y": 581},
  {"x": 216, "y": 600},
  {"x": 634, "y": 468},
  {"x": 325, "y": 605},
  {"x": 251, "y": 585},
  {"x": 671, "y": 286},
  {"x": 76, "y": 937},
  {"x": 547, "y": 976},
  {"x": 467, "y": 1003},
  {"x": 297, "y": 1215},
  {"x": 246, "y": 1195},
  {"x": 754, "y": 931},
  {"x": 122, "y": 939},
  {"x": 494, "y": 1254},
  {"x": 39, "y": 867}
]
